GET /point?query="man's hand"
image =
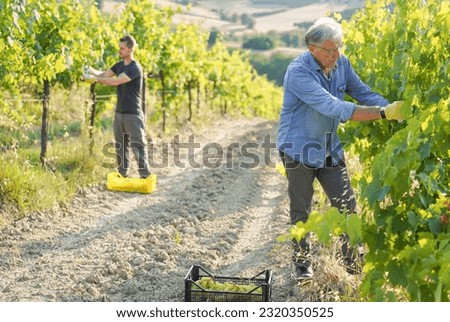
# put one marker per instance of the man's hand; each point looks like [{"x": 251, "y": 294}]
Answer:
[
  {"x": 88, "y": 78},
  {"x": 393, "y": 112},
  {"x": 87, "y": 70}
]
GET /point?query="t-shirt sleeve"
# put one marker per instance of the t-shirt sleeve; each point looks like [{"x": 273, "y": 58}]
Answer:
[
  {"x": 115, "y": 68},
  {"x": 133, "y": 71}
]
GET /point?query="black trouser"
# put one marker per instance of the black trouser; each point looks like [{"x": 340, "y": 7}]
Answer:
[{"x": 334, "y": 181}]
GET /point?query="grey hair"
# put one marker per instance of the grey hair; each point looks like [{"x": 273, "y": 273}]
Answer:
[{"x": 323, "y": 29}]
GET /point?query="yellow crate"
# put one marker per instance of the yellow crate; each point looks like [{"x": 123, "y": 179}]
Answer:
[{"x": 116, "y": 182}]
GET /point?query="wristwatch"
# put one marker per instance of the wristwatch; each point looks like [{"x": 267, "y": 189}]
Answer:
[{"x": 382, "y": 113}]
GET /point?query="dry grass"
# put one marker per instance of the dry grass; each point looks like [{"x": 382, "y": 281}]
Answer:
[{"x": 331, "y": 282}]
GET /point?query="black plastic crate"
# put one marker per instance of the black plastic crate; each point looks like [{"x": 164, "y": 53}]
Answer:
[{"x": 194, "y": 292}]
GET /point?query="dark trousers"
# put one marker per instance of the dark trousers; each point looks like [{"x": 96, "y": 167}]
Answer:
[
  {"x": 334, "y": 181},
  {"x": 129, "y": 133}
]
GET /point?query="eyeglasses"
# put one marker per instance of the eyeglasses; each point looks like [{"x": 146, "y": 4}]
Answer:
[{"x": 329, "y": 51}]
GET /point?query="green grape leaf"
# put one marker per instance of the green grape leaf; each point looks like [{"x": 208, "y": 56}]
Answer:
[{"x": 354, "y": 229}]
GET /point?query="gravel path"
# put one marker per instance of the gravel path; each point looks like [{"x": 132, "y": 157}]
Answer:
[{"x": 115, "y": 246}]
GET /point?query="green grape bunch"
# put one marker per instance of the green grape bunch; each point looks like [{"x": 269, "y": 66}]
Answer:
[{"x": 208, "y": 283}]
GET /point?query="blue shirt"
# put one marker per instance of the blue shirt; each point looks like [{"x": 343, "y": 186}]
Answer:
[{"x": 313, "y": 108}]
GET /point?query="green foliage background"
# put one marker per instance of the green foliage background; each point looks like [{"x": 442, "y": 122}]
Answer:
[{"x": 47, "y": 45}]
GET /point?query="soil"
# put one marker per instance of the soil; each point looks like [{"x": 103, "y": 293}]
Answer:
[{"x": 119, "y": 246}]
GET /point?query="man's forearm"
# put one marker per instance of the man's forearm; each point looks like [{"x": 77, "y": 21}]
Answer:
[
  {"x": 366, "y": 113},
  {"x": 109, "y": 81},
  {"x": 114, "y": 81}
]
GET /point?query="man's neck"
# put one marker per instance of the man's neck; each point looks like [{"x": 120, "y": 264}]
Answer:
[{"x": 128, "y": 60}]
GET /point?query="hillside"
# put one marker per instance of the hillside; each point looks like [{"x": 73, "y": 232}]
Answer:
[{"x": 269, "y": 15}]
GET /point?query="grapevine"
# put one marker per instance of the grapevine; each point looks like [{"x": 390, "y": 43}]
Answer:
[
  {"x": 401, "y": 49},
  {"x": 47, "y": 45}
]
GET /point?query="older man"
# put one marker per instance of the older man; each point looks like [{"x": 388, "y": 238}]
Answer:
[{"x": 313, "y": 107}]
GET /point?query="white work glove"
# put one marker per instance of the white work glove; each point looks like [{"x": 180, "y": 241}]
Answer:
[
  {"x": 88, "y": 78},
  {"x": 87, "y": 70}
]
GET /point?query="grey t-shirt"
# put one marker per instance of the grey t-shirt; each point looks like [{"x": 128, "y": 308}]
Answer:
[{"x": 129, "y": 94}]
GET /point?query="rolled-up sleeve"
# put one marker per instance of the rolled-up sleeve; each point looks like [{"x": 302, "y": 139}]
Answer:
[{"x": 347, "y": 111}]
